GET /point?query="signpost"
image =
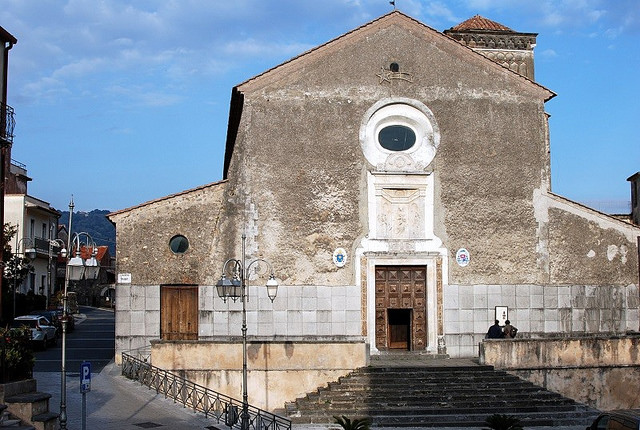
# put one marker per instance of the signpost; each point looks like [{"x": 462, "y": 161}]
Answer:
[{"x": 85, "y": 386}]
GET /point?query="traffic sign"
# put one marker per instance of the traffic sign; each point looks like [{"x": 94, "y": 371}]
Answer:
[{"x": 85, "y": 377}]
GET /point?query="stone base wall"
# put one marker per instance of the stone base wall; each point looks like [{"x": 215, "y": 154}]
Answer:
[
  {"x": 297, "y": 311},
  {"x": 537, "y": 311},
  {"x": 277, "y": 371},
  {"x": 603, "y": 388},
  {"x": 603, "y": 372}
]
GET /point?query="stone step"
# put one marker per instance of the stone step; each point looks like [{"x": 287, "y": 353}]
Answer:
[
  {"x": 426, "y": 388},
  {"x": 435, "y": 406},
  {"x": 431, "y": 370},
  {"x": 436, "y": 397},
  {"x": 457, "y": 419},
  {"x": 431, "y": 397},
  {"x": 7, "y": 421},
  {"x": 46, "y": 421}
]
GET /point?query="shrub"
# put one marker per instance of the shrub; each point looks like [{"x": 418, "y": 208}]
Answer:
[
  {"x": 503, "y": 422},
  {"x": 16, "y": 354},
  {"x": 356, "y": 424}
]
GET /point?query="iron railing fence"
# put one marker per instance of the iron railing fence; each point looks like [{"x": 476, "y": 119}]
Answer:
[
  {"x": 7, "y": 123},
  {"x": 222, "y": 408}
]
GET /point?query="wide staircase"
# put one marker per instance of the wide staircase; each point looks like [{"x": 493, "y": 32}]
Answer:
[{"x": 436, "y": 393}]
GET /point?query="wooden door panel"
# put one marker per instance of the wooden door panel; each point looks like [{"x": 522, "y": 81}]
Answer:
[
  {"x": 400, "y": 288},
  {"x": 178, "y": 312}
]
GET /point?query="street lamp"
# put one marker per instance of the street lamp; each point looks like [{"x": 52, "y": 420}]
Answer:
[
  {"x": 237, "y": 288},
  {"x": 63, "y": 254},
  {"x": 77, "y": 269}
]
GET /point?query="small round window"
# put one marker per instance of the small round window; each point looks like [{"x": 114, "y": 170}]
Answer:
[
  {"x": 396, "y": 138},
  {"x": 179, "y": 244}
]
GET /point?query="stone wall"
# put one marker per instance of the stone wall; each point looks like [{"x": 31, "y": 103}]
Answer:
[
  {"x": 312, "y": 197},
  {"x": 588, "y": 247},
  {"x": 536, "y": 311},
  {"x": 296, "y": 312},
  {"x": 603, "y": 372},
  {"x": 278, "y": 371},
  {"x": 144, "y": 232}
]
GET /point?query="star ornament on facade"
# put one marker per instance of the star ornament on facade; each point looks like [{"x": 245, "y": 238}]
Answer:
[{"x": 388, "y": 75}]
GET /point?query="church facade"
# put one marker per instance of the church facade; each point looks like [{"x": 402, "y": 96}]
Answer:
[{"x": 397, "y": 178}]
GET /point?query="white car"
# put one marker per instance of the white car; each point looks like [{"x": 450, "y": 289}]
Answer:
[{"x": 43, "y": 332}]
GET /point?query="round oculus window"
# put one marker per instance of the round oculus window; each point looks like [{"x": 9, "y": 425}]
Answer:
[
  {"x": 396, "y": 138},
  {"x": 179, "y": 244}
]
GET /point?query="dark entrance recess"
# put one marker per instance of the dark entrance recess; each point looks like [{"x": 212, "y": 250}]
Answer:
[{"x": 399, "y": 328}]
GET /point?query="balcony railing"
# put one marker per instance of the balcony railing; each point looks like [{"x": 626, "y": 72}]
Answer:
[
  {"x": 42, "y": 246},
  {"x": 224, "y": 409},
  {"x": 7, "y": 124}
]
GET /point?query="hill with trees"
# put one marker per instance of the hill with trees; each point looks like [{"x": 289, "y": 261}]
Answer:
[{"x": 96, "y": 224}]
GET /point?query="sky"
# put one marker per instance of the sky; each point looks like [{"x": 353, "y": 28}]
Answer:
[{"x": 121, "y": 102}]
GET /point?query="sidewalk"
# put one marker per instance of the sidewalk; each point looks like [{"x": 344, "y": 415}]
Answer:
[{"x": 116, "y": 403}]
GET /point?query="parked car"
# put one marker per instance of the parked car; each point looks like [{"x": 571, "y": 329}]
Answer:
[
  {"x": 43, "y": 332},
  {"x": 53, "y": 318},
  {"x": 622, "y": 419}
]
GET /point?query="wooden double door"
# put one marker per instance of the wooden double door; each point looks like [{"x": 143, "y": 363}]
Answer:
[
  {"x": 401, "y": 313},
  {"x": 178, "y": 312}
]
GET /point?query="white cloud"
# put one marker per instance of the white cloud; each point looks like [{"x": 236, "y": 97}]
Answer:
[
  {"x": 143, "y": 96},
  {"x": 253, "y": 47},
  {"x": 78, "y": 69},
  {"x": 548, "y": 53}
]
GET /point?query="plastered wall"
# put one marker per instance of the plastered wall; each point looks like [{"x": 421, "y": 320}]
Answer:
[
  {"x": 277, "y": 371},
  {"x": 602, "y": 372}
]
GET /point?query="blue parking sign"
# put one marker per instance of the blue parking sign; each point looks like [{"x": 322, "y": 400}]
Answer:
[{"x": 85, "y": 377}]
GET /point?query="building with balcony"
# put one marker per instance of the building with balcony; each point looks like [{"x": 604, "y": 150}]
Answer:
[{"x": 37, "y": 226}]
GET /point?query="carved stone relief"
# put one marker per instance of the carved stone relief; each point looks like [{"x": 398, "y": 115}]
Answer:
[{"x": 400, "y": 214}]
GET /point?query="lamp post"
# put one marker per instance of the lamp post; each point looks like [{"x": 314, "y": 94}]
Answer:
[
  {"x": 63, "y": 253},
  {"x": 29, "y": 253},
  {"x": 237, "y": 288},
  {"x": 77, "y": 269}
]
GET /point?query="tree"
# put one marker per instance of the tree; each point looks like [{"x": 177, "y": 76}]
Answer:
[{"x": 16, "y": 269}]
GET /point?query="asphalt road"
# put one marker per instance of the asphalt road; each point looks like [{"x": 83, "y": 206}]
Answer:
[{"x": 93, "y": 340}]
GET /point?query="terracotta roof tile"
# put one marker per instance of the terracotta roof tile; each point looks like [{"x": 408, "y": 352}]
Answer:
[
  {"x": 87, "y": 252},
  {"x": 480, "y": 23}
]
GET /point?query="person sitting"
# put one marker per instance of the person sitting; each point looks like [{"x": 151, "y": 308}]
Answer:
[
  {"x": 509, "y": 331},
  {"x": 495, "y": 332}
]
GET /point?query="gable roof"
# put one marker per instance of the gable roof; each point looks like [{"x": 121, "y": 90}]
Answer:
[
  {"x": 394, "y": 17},
  {"x": 7, "y": 37},
  {"x": 170, "y": 196}
]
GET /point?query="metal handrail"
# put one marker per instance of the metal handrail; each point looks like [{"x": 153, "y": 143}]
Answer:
[
  {"x": 7, "y": 123},
  {"x": 218, "y": 406}
]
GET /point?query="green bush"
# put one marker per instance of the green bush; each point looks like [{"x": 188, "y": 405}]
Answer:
[
  {"x": 356, "y": 424},
  {"x": 16, "y": 354},
  {"x": 503, "y": 422}
]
